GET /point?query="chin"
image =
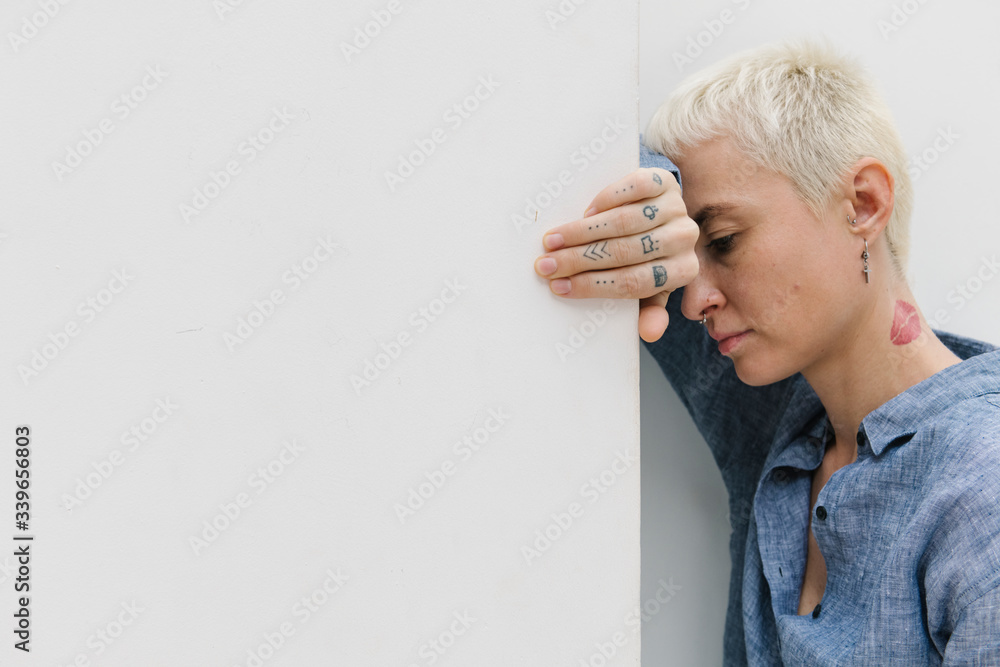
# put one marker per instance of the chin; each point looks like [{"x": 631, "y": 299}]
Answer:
[{"x": 759, "y": 372}]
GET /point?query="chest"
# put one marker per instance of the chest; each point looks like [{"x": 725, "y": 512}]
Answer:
[{"x": 814, "y": 579}]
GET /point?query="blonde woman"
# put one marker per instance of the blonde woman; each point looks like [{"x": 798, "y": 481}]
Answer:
[{"x": 860, "y": 448}]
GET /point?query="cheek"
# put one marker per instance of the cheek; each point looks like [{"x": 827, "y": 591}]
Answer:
[{"x": 777, "y": 304}]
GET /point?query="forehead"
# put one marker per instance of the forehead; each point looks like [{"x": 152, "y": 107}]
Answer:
[{"x": 716, "y": 171}]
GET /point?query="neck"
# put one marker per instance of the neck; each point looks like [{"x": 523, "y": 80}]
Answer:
[{"x": 886, "y": 355}]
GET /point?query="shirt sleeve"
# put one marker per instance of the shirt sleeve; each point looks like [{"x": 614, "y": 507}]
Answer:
[
  {"x": 961, "y": 561},
  {"x": 976, "y": 637}
]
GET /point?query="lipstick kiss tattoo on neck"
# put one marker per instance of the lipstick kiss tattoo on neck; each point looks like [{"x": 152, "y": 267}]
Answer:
[{"x": 905, "y": 324}]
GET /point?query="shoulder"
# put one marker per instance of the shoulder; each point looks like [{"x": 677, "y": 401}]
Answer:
[{"x": 967, "y": 437}]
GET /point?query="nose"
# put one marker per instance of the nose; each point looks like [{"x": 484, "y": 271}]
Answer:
[{"x": 701, "y": 295}]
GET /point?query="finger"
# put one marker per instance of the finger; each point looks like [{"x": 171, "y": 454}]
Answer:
[
  {"x": 631, "y": 218},
  {"x": 675, "y": 237},
  {"x": 641, "y": 184},
  {"x": 653, "y": 317},
  {"x": 632, "y": 282}
]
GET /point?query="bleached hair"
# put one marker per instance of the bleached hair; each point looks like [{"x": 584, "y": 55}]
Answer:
[{"x": 798, "y": 109}]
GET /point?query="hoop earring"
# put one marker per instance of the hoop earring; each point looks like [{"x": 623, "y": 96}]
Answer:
[
  {"x": 853, "y": 222},
  {"x": 864, "y": 258}
]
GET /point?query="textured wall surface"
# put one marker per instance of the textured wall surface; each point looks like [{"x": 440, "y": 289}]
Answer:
[{"x": 293, "y": 392}]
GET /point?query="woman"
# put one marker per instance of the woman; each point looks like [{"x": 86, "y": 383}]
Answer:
[{"x": 861, "y": 449}]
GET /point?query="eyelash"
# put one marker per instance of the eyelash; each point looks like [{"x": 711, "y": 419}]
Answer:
[{"x": 723, "y": 244}]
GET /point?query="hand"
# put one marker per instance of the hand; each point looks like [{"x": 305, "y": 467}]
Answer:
[{"x": 635, "y": 241}]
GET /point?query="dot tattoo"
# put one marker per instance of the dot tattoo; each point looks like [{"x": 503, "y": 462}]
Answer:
[
  {"x": 659, "y": 276},
  {"x": 649, "y": 245},
  {"x": 650, "y": 212}
]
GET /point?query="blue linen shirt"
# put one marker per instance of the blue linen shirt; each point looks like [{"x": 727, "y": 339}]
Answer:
[{"x": 909, "y": 532}]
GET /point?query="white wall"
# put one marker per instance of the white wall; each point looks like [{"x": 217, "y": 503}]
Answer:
[
  {"x": 212, "y": 445},
  {"x": 940, "y": 72}
]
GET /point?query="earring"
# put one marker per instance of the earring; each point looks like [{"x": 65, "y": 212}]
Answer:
[
  {"x": 704, "y": 318},
  {"x": 864, "y": 258},
  {"x": 853, "y": 222}
]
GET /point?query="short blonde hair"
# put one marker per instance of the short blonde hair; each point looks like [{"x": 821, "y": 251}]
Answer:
[{"x": 798, "y": 109}]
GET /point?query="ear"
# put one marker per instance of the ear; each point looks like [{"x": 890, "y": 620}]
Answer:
[{"x": 870, "y": 188}]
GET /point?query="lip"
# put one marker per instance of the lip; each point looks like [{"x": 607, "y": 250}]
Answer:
[{"x": 728, "y": 342}]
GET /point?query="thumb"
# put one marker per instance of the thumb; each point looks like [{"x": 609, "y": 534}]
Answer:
[{"x": 653, "y": 318}]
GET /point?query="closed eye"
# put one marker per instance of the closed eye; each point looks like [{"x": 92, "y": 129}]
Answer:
[{"x": 723, "y": 244}]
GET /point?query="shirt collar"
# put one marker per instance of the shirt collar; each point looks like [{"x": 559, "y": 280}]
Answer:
[{"x": 907, "y": 413}]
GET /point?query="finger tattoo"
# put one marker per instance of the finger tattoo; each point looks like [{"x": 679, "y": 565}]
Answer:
[
  {"x": 656, "y": 177},
  {"x": 649, "y": 245},
  {"x": 659, "y": 276},
  {"x": 592, "y": 251},
  {"x": 650, "y": 212}
]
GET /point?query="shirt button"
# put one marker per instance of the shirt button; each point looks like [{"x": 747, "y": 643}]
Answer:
[
  {"x": 821, "y": 513},
  {"x": 780, "y": 475},
  {"x": 816, "y": 611}
]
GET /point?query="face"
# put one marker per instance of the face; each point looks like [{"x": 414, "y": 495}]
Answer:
[{"x": 779, "y": 285}]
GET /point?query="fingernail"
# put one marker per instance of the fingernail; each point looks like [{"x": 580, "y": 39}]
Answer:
[
  {"x": 553, "y": 241},
  {"x": 590, "y": 211},
  {"x": 561, "y": 286},
  {"x": 546, "y": 265}
]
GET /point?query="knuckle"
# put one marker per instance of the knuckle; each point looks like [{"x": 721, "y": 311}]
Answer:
[
  {"x": 567, "y": 262},
  {"x": 688, "y": 268},
  {"x": 690, "y": 231},
  {"x": 674, "y": 205},
  {"x": 621, "y": 251},
  {"x": 628, "y": 285},
  {"x": 621, "y": 222},
  {"x": 646, "y": 187}
]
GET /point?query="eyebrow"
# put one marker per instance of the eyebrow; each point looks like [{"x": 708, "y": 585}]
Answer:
[{"x": 706, "y": 213}]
